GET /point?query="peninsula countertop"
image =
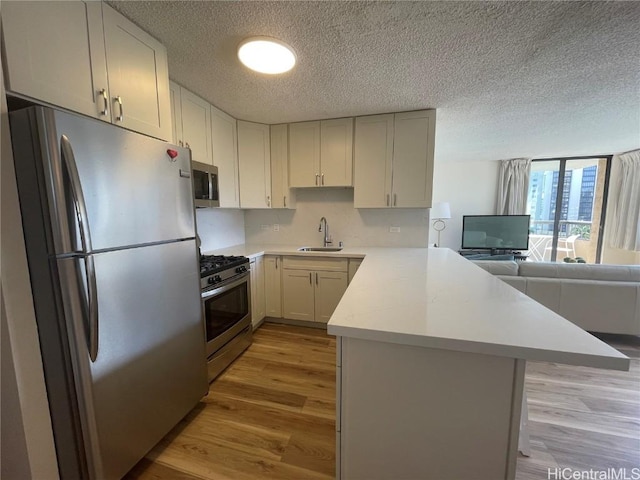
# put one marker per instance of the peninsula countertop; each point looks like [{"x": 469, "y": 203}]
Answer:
[{"x": 434, "y": 298}]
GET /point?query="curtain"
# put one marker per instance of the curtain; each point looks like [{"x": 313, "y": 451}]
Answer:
[
  {"x": 513, "y": 186},
  {"x": 625, "y": 221}
]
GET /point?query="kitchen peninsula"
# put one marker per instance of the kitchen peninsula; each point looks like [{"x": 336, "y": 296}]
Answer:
[{"x": 430, "y": 363}]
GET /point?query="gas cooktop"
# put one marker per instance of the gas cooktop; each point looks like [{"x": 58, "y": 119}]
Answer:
[{"x": 210, "y": 264}]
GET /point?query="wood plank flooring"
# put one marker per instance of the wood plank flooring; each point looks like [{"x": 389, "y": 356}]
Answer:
[{"x": 271, "y": 415}]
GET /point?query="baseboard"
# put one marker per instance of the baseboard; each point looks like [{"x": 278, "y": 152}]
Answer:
[{"x": 297, "y": 323}]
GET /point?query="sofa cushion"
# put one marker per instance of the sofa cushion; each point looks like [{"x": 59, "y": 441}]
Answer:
[
  {"x": 519, "y": 283},
  {"x": 498, "y": 268},
  {"x": 581, "y": 271}
]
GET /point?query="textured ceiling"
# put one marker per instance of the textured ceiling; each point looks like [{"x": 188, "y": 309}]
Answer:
[{"x": 508, "y": 79}]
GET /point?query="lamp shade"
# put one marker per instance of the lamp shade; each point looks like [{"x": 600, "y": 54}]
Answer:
[{"x": 440, "y": 210}]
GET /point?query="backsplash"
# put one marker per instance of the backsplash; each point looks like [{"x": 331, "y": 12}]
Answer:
[
  {"x": 219, "y": 227},
  {"x": 354, "y": 227}
]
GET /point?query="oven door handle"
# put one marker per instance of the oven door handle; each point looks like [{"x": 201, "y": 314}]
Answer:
[{"x": 210, "y": 293}]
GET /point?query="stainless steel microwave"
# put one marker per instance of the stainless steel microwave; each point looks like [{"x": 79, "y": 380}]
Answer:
[{"x": 205, "y": 185}]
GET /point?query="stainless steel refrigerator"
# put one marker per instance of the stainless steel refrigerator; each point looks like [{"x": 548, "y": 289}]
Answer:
[{"x": 110, "y": 234}]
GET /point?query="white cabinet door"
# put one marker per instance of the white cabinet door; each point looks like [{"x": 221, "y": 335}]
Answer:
[
  {"x": 54, "y": 52},
  {"x": 259, "y": 307},
  {"x": 176, "y": 113},
  {"x": 281, "y": 195},
  {"x": 336, "y": 152},
  {"x": 196, "y": 127},
  {"x": 255, "y": 166},
  {"x": 273, "y": 286},
  {"x": 304, "y": 154},
  {"x": 372, "y": 161},
  {"x": 413, "y": 144},
  {"x": 330, "y": 286},
  {"x": 224, "y": 136},
  {"x": 298, "y": 298},
  {"x": 138, "y": 77}
]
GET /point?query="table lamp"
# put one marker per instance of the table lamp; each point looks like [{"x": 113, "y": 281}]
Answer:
[{"x": 439, "y": 213}]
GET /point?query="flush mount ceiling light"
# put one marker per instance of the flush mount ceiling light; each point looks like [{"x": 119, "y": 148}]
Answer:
[{"x": 266, "y": 55}]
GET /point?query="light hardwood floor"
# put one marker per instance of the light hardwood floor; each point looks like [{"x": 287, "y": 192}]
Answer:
[{"x": 271, "y": 415}]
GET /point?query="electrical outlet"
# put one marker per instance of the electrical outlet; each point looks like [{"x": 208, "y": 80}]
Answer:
[
  {"x": 276, "y": 227},
  {"x": 264, "y": 227},
  {"x": 394, "y": 229}
]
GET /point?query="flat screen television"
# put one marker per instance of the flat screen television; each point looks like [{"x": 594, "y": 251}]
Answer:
[{"x": 495, "y": 232}]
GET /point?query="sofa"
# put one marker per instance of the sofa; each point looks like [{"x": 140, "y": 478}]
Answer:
[{"x": 597, "y": 298}]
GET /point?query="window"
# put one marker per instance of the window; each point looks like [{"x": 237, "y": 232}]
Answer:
[{"x": 566, "y": 201}]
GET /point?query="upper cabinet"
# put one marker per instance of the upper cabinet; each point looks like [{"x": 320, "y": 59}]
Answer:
[
  {"x": 281, "y": 195},
  {"x": 321, "y": 153},
  {"x": 192, "y": 119},
  {"x": 86, "y": 57},
  {"x": 394, "y": 160},
  {"x": 225, "y": 156},
  {"x": 138, "y": 77},
  {"x": 254, "y": 160}
]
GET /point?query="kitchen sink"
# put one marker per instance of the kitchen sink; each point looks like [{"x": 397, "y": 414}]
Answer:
[{"x": 319, "y": 249}]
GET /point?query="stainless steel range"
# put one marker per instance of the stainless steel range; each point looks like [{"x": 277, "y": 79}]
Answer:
[{"x": 226, "y": 298}]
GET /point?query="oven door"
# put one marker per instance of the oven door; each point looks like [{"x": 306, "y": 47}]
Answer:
[{"x": 227, "y": 311}]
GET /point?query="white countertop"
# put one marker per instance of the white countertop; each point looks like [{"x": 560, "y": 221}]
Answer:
[{"x": 433, "y": 297}]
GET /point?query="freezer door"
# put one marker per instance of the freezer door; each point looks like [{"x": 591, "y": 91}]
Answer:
[
  {"x": 135, "y": 189},
  {"x": 150, "y": 368}
]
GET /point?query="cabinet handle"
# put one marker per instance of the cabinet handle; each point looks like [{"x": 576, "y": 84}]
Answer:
[
  {"x": 276, "y": 263},
  {"x": 387, "y": 199},
  {"x": 268, "y": 201},
  {"x": 395, "y": 199},
  {"x": 105, "y": 99},
  {"x": 310, "y": 281},
  {"x": 322, "y": 179},
  {"x": 285, "y": 201},
  {"x": 317, "y": 179},
  {"x": 316, "y": 278},
  {"x": 180, "y": 143},
  {"x": 186, "y": 144},
  {"x": 118, "y": 100}
]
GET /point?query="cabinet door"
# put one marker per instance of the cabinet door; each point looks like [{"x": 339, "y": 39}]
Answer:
[
  {"x": 414, "y": 134},
  {"x": 138, "y": 77},
  {"x": 224, "y": 135},
  {"x": 255, "y": 166},
  {"x": 253, "y": 273},
  {"x": 196, "y": 127},
  {"x": 336, "y": 152},
  {"x": 176, "y": 113},
  {"x": 273, "y": 286},
  {"x": 297, "y": 295},
  {"x": 304, "y": 154},
  {"x": 259, "y": 309},
  {"x": 281, "y": 195},
  {"x": 372, "y": 161},
  {"x": 54, "y": 52},
  {"x": 330, "y": 286}
]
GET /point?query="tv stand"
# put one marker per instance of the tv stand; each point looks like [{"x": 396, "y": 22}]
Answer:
[{"x": 517, "y": 255}]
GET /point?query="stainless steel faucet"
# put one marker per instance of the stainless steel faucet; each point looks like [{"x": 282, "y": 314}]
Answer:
[{"x": 327, "y": 237}]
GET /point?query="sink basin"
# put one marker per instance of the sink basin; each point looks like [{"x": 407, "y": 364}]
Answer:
[{"x": 320, "y": 249}]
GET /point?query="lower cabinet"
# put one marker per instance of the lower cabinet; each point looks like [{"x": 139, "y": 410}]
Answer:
[
  {"x": 273, "y": 285},
  {"x": 312, "y": 288},
  {"x": 258, "y": 309},
  {"x": 354, "y": 265}
]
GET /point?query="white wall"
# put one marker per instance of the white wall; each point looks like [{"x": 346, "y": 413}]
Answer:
[
  {"x": 355, "y": 227},
  {"x": 219, "y": 228},
  {"x": 470, "y": 188}
]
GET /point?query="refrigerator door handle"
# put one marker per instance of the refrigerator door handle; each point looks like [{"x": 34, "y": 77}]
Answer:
[
  {"x": 76, "y": 191},
  {"x": 93, "y": 307},
  {"x": 85, "y": 237}
]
